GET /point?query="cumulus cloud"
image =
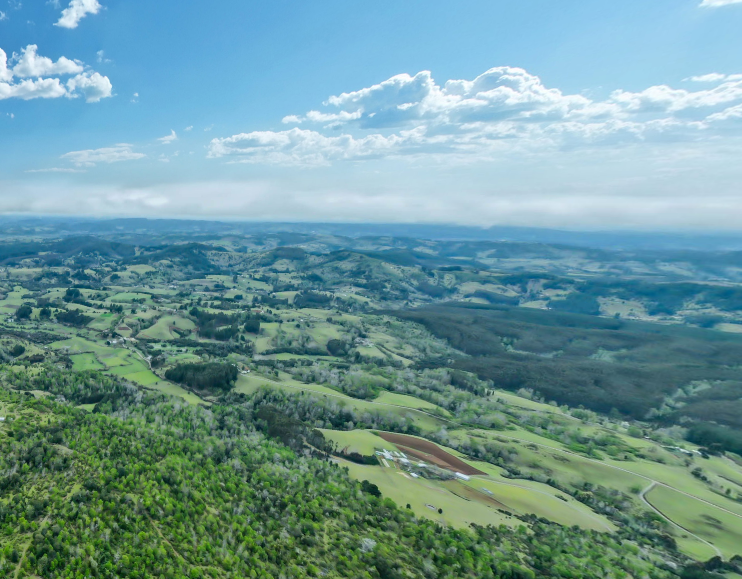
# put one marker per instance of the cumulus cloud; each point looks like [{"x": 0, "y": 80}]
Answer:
[
  {"x": 30, "y": 64},
  {"x": 32, "y": 76},
  {"x": 76, "y": 11},
  {"x": 300, "y": 147},
  {"x": 169, "y": 138},
  {"x": 718, "y": 3},
  {"x": 503, "y": 109},
  {"x": 3, "y": 16},
  {"x": 91, "y": 157},
  {"x": 93, "y": 86}
]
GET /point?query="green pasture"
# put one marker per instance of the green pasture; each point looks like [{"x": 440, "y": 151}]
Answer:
[
  {"x": 85, "y": 362},
  {"x": 129, "y": 297},
  {"x": 403, "y": 490},
  {"x": 363, "y": 442},
  {"x": 719, "y": 528},
  {"x": 409, "y": 402},
  {"x": 163, "y": 329},
  {"x": 542, "y": 502},
  {"x": 174, "y": 390}
]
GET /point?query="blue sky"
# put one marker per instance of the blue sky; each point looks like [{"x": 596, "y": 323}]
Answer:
[{"x": 564, "y": 114}]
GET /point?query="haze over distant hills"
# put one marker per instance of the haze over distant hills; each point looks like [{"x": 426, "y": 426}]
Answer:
[{"x": 605, "y": 239}]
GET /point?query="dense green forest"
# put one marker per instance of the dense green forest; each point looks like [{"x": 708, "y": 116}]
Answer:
[
  {"x": 210, "y": 376},
  {"x": 179, "y": 491},
  {"x": 603, "y": 364}
]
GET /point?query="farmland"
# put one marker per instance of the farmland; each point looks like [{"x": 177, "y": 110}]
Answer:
[{"x": 475, "y": 402}]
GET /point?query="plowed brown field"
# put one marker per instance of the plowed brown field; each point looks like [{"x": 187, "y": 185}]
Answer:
[{"x": 428, "y": 451}]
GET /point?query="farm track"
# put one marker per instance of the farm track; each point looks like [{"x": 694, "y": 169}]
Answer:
[{"x": 643, "y": 497}]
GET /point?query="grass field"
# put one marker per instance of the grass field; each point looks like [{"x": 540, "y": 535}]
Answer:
[
  {"x": 541, "y": 501},
  {"x": 85, "y": 362},
  {"x": 363, "y": 442},
  {"x": 408, "y": 402},
  {"x": 164, "y": 328},
  {"x": 175, "y": 390},
  {"x": 418, "y": 493},
  {"x": 714, "y": 525},
  {"x": 474, "y": 501}
]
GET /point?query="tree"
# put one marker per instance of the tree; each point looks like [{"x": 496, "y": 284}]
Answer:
[
  {"x": 370, "y": 488},
  {"x": 252, "y": 326},
  {"x": 24, "y": 312},
  {"x": 211, "y": 376}
]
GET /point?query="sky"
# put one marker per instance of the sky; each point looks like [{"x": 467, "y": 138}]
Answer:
[{"x": 569, "y": 114}]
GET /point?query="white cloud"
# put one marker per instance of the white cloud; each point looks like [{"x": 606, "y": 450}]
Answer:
[
  {"x": 718, "y": 3},
  {"x": 25, "y": 79},
  {"x": 135, "y": 97},
  {"x": 30, "y": 64},
  {"x": 91, "y": 157},
  {"x": 189, "y": 128},
  {"x": 76, "y": 11},
  {"x": 301, "y": 147},
  {"x": 100, "y": 57},
  {"x": 56, "y": 170},
  {"x": 711, "y": 77},
  {"x": 44, "y": 88},
  {"x": 503, "y": 109},
  {"x": 93, "y": 85},
  {"x": 169, "y": 138},
  {"x": 3, "y": 16},
  {"x": 6, "y": 75}
]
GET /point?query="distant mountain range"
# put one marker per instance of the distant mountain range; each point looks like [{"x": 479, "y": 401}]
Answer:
[{"x": 14, "y": 226}]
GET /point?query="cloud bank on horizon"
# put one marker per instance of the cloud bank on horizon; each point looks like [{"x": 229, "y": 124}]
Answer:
[{"x": 501, "y": 111}]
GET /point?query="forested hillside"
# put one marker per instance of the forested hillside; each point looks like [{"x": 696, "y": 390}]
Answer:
[{"x": 161, "y": 489}]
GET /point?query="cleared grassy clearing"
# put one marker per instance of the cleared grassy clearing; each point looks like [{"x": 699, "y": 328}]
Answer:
[
  {"x": 424, "y": 421},
  {"x": 418, "y": 493},
  {"x": 514, "y": 400},
  {"x": 85, "y": 362},
  {"x": 174, "y": 390},
  {"x": 542, "y": 502},
  {"x": 408, "y": 402},
  {"x": 113, "y": 361},
  {"x": 165, "y": 326},
  {"x": 680, "y": 478},
  {"x": 251, "y": 382},
  {"x": 715, "y": 526},
  {"x": 143, "y": 377},
  {"x": 102, "y": 322},
  {"x": 363, "y": 442},
  {"x": 371, "y": 352},
  {"x": 80, "y": 345}
]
